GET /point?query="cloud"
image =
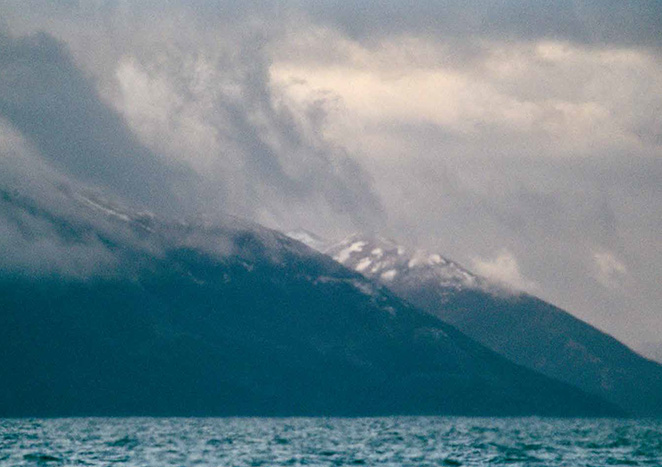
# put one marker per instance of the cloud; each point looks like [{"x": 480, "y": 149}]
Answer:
[
  {"x": 220, "y": 112},
  {"x": 557, "y": 98},
  {"x": 193, "y": 118},
  {"x": 45, "y": 97},
  {"x": 609, "y": 270},
  {"x": 45, "y": 228},
  {"x": 465, "y": 128},
  {"x": 32, "y": 246},
  {"x": 505, "y": 271},
  {"x": 545, "y": 145},
  {"x": 612, "y": 22}
]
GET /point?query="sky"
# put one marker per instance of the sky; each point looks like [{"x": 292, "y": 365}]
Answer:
[{"x": 521, "y": 139}]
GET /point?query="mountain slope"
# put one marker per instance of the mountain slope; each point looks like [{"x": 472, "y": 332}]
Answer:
[
  {"x": 521, "y": 327},
  {"x": 190, "y": 318}
]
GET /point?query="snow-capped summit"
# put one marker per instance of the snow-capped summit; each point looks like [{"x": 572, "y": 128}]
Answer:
[{"x": 397, "y": 266}]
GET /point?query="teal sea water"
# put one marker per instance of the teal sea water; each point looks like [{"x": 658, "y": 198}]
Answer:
[{"x": 396, "y": 441}]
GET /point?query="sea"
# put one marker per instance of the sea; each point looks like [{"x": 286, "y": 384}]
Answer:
[{"x": 389, "y": 441}]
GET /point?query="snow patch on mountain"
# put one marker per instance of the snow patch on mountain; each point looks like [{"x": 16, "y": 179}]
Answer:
[
  {"x": 385, "y": 260},
  {"x": 401, "y": 268},
  {"x": 363, "y": 264},
  {"x": 346, "y": 253},
  {"x": 389, "y": 275}
]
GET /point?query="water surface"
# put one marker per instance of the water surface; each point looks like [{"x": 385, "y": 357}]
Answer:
[{"x": 397, "y": 441}]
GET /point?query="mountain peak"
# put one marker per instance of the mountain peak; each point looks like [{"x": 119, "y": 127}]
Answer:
[{"x": 384, "y": 259}]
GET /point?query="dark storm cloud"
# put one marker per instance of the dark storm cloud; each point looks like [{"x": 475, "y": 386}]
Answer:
[
  {"x": 611, "y": 22},
  {"x": 259, "y": 156},
  {"x": 597, "y": 22},
  {"x": 48, "y": 99}
]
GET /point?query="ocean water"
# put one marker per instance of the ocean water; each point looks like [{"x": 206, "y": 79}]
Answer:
[{"x": 391, "y": 441}]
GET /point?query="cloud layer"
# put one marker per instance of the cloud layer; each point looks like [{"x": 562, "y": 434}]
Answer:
[{"x": 524, "y": 135}]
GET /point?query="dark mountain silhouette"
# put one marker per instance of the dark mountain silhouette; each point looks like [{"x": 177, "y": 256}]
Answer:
[{"x": 194, "y": 318}]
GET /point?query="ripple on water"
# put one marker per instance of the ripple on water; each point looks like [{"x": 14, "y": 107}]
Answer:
[
  {"x": 396, "y": 441},
  {"x": 124, "y": 442},
  {"x": 41, "y": 458}
]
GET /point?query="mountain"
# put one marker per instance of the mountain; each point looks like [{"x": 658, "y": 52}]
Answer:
[
  {"x": 124, "y": 313},
  {"x": 521, "y": 327}
]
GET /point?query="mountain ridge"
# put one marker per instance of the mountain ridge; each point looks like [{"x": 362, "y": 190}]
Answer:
[
  {"x": 198, "y": 318},
  {"x": 523, "y": 328}
]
